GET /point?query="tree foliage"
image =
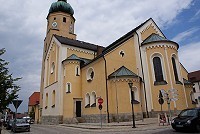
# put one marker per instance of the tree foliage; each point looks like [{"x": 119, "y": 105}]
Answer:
[{"x": 8, "y": 88}]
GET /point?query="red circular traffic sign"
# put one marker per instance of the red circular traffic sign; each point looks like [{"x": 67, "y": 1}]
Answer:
[{"x": 100, "y": 101}]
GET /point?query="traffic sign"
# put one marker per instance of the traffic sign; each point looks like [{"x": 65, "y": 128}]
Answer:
[
  {"x": 100, "y": 107},
  {"x": 100, "y": 101},
  {"x": 161, "y": 101},
  {"x": 16, "y": 103}
]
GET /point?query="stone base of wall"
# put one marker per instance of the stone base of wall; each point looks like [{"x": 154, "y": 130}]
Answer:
[
  {"x": 71, "y": 120},
  {"x": 113, "y": 117},
  {"x": 154, "y": 114},
  {"x": 52, "y": 120},
  {"x": 125, "y": 117},
  {"x": 95, "y": 118}
]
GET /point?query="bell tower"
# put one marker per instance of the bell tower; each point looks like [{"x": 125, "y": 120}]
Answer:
[{"x": 60, "y": 21}]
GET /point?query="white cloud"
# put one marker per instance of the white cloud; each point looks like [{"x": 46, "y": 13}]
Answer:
[
  {"x": 184, "y": 35},
  {"x": 195, "y": 17},
  {"x": 23, "y": 28},
  {"x": 188, "y": 55}
]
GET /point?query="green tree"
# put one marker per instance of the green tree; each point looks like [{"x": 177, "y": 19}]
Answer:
[{"x": 8, "y": 88}]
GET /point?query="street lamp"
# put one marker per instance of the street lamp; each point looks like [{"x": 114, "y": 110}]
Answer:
[{"x": 132, "y": 99}]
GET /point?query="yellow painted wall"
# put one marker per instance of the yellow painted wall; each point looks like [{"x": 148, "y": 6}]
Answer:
[
  {"x": 62, "y": 28},
  {"x": 181, "y": 103},
  {"x": 52, "y": 57},
  {"x": 80, "y": 54},
  {"x": 148, "y": 31},
  {"x": 188, "y": 89},
  {"x": 98, "y": 84},
  {"x": 184, "y": 72},
  {"x": 68, "y": 98},
  {"x": 115, "y": 61},
  {"x": 123, "y": 96}
]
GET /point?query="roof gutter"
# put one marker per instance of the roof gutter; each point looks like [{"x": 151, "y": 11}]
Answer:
[
  {"x": 143, "y": 76},
  {"x": 106, "y": 89}
]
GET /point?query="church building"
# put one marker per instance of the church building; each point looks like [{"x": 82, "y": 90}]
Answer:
[{"x": 75, "y": 74}]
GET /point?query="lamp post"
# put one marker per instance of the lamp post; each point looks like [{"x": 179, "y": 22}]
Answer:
[{"x": 132, "y": 99}]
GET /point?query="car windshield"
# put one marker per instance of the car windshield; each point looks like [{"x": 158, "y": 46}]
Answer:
[
  {"x": 189, "y": 112},
  {"x": 20, "y": 121}
]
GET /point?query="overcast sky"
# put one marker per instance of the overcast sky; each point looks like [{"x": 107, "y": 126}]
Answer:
[{"x": 23, "y": 28}]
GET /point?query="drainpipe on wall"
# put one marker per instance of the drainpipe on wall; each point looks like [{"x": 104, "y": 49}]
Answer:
[
  {"x": 143, "y": 77},
  {"x": 106, "y": 89}
]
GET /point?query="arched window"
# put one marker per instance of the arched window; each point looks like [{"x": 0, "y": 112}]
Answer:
[
  {"x": 64, "y": 19},
  {"x": 87, "y": 100},
  {"x": 68, "y": 87},
  {"x": 93, "y": 99},
  {"x": 158, "y": 69},
  {"x": 77, "y": 70},
  {"x": 53, "y": 98},
  {"x": 52, "y": 67},
  {"x": 46, "y": 104},
  {"x": 175, "y": 69}
]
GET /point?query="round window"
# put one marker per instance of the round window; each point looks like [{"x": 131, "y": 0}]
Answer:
[{"x": 90, "y": 74}]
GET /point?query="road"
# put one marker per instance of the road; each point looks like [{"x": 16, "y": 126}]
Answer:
[{"x": 53, "y": 129}]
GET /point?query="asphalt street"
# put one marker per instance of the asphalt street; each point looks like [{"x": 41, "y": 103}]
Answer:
[{"x": 53, "y": 129}]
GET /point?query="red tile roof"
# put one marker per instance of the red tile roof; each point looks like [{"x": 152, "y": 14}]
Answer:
[
  {"x": 194, "y": 76},
  {"x": 34, "y": 99}
]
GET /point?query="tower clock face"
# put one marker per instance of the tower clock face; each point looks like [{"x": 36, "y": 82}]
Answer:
[{"x": 54, "y": 24}]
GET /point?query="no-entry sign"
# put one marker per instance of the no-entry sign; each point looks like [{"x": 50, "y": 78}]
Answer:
[{"x": 100, "y": 101}]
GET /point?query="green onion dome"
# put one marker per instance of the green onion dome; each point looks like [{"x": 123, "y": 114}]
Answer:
[{"x": 61, "y": 6}]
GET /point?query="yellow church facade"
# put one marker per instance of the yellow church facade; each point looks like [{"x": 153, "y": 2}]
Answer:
[{"x": 76, "y": 73}]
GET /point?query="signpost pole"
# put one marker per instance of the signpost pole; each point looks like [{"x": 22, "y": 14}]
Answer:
[
  {"x": 100, "y": 101},
  {"x": 101, "y": 118}
]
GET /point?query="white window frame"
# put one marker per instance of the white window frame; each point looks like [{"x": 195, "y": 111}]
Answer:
[
  {"x": 89, "y": 71},
  {"x": 93, "y": 98},
  {"x": 177, "y": 66},
  {"x": 87, "y": 99},
  {"x": 162, "y": 65}
]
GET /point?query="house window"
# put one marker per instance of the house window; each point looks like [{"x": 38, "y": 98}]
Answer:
[
  {"x": 53, "y": 98},
  {"x": 68, "y": 87},
  {"x": 93, "y": 99},
  {"x": 64, "y": 19},
  {"x": 90, "y": 74},
  {"x": 175, "y": 69},
  {"x": 77, "y": 70},
  {"x": 46, "y": 104},
  {"x": 52, "y": 68},
  {"x": 87, "y": 100},
  {"x": 158, "y": 69}
]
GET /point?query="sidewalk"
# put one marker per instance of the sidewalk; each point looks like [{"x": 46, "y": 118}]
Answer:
[
  {"x": 4, "y": 131},
  {"x": 147, "y": 124}
]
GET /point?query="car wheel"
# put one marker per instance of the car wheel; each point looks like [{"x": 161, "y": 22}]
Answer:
[{"x": 198, "y": 128}]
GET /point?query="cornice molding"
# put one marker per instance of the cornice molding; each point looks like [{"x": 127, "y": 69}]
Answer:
[{"x": 81, "y": 51}]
